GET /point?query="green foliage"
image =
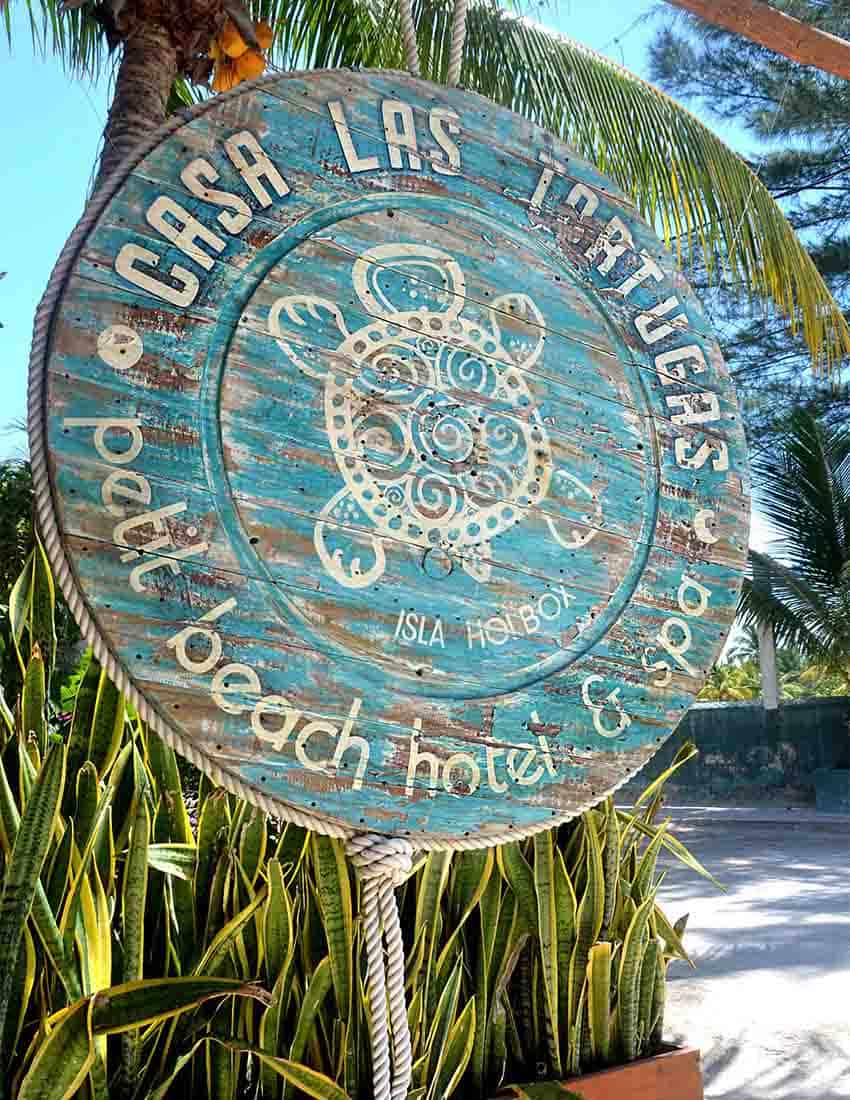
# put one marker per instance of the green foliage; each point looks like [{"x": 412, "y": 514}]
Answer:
[
  {"x": 804, "y": 590},
  {"x": 149, "y": 952},
  {"x": 795, "y": 120}
]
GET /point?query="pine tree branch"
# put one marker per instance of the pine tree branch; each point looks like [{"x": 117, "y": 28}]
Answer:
[{"x": 775, "y": 30}]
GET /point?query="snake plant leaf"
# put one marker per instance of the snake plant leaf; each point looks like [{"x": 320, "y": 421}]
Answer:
[
  {"x": 31, "y": 609},
  {"x": 63, "y": 1060},
  {"x": 278, "y": 931},
  {"x": 213, "y": 822},
  {"x": 565, "y": 909},
  {"x": 642, "y": 884},
  {"x": 107, "y": 726},
  {"x": 173, "y": 859},
  {"x": 45, "y": 903},
  {"x": 431, "y": 884},
  {"x": 215, "y": 956},
  {"x": 588, "y": 916},
  {"x": 138, "y": 1004},
  {"x": 547, "y": 931},
  {"x": 628, "y": 979},
  {"x": 6, "y": 717},
  {"x": 659, "y": 998},
  {"x": 334, "y": 888},
  {"x": 252, "y": 844},
  {"x": 457, "y": 1055},
  {"x": 519, "y": 876},
  {"x": 648, "y": 974},
  {"x": 610, "y": 864},
  {"x": 672, "y": 937},
  {"x": 473, "y": 871},
  {"x": 88, "y": 797},
  {"x": 291, "y": 850},
  {"x": 33, "y": 723},
  {"x": 21, "y": 878},
  {"x": 320, "y": 985},
  {"x": 673, "y": 845},
  {"x": 649, "y": 794},
  {"x": 134, "y": 896},
  {"x": 444, "y": 1019},
  {"x": 301, "y": 1077},
  {"x": 22, "y": 985},
  {"x": 80, "y": 734},
  {"x": 271, "y": 1034},
  {"x": 599, "y": 1001}
]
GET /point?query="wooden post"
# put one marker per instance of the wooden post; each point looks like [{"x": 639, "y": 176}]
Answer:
[{"x": 767, "y": 661}]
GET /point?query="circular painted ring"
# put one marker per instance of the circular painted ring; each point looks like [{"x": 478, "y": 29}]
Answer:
[{"x": 386, "y": 460}]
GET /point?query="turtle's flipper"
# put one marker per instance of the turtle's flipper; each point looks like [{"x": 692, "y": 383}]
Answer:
[{"x": 338, "y": 543}]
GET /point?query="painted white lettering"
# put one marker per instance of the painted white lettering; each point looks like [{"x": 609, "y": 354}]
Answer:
[
  {"x": 546, "y": 176},
  {"x": 355, "y": 162},
  {"x": 308, "y": 731},
  {"x": 180, "y": 641},
  {"x": 699, "y": 408},
  {"x": 276, "y": 706},
  {"x": 583, "y": 200},
  {"x": 260, "y": 167},
  {"x": 346, "y": 741},
  {"x": 124, "y": 484},
  {"x": 154, "y": 519},
  {"x": 671, "y": 364},
  {"x": 415, "y": 759},
  {"x": 649, "y": 269},
  {"x": 614, "y": 240},
  {"x": 172, "y": 562},
  {"x": 177, "y": 225},
  {"x": 197, "y": 176},
  {"x": 597, "y": 710},
  {"x": 677, "y": 650},
  {"x": 442, "y": 121},
  {"x": 229, "y": 680},
  {"x": 698, "y": 459},
  {"x": 519, "y": 773},
  {"x": 461, "y": 761},
  {"x": 400, "y": 133},
  {"x": 644, "y": 322},
  {"x": 496, "y": 785},
  {"x": 104, "y": 424},
  {"x": 690, "y": 584},
  {"x": 126, "y": 264}
]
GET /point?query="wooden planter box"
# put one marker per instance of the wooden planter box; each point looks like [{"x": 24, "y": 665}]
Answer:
[{"x": 674, "y": 1075}]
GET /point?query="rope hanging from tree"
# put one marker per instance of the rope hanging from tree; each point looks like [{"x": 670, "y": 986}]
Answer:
[
  {"x": 408, "y": 35},
  {"x": 458, "y": 39}
]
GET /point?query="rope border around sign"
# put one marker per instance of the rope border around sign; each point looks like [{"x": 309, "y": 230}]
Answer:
[{"x": 64, "y": 573}]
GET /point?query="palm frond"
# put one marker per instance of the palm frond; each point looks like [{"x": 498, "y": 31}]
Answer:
[{"x": 803, "y": 492}]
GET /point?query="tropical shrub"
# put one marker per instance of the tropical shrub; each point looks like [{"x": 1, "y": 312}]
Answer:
[{"x": 146, "y": 951}]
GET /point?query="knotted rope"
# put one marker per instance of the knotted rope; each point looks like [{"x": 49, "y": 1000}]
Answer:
[{"x": 382, "y": 864}]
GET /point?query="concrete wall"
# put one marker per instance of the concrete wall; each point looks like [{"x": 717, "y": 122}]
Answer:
[{"x": 747, "y": 754}]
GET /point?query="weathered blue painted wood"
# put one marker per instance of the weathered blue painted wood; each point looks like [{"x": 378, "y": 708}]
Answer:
[{"x": 395, "y": 461}]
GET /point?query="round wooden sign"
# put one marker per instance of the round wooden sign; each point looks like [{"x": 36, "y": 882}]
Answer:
[{"x": 385, "y": 457}]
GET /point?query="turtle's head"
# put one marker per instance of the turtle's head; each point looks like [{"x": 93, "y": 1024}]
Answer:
[{"x": 403, "y": 278}]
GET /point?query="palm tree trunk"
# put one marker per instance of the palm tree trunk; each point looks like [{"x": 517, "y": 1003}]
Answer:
[{"x": 146, "y": 74}]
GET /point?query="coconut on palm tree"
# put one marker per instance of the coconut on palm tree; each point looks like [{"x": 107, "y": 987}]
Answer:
[
  {"x": 803, "y": 589},
  {"x": 696, "y": 191}
]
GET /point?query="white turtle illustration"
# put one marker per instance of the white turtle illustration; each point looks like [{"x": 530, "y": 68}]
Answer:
[{"x": 427, "y": 411}]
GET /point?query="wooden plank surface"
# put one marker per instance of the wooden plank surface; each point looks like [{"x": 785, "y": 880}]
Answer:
[{"x": 394, "y": 458}]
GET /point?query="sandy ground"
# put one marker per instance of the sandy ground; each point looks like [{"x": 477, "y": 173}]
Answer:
[{"x": 769, "y": 1003}]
